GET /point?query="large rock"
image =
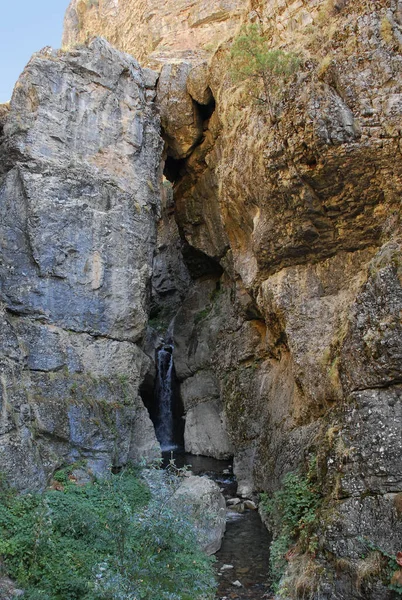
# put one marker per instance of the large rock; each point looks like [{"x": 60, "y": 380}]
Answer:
[
  {"x": 207, "y": 507},
  {"x": 79, "y": 194},
  {"x": 181, "y": 120},
  {"x": 206, "y": 431}
]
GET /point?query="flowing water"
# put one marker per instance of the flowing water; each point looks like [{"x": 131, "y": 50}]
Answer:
[
  {"x": 242, "y": 562},
  {"x": 245, "y": 547},
  {"x": 164, "y": 391}
]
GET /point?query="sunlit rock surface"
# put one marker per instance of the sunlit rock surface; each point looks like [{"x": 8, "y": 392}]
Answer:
[{"x": 79, "y": 195}]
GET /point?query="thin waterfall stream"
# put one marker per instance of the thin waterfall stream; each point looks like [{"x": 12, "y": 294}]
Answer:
[{"x": 164, "y": 426}]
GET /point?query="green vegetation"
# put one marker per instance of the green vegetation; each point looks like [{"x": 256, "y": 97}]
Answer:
[
  {"x": 202, "y": 314},
  {"x": 388, "y": 567},
  {"x": 265, "y": 70},
  {"x": 115, "y": 539},
  {"x": 293, "y": 513},
  {"x": 159, "y": 322}
]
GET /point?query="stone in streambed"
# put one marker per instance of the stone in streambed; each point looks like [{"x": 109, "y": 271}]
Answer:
[{"x": 202, "y": 499}]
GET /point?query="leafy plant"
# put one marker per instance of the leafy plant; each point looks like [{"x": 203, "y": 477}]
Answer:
[
  {"x": 264, "y": 69},
  {"x": 293, "y": 512},
  {"x": 392, "y": 566},
  {"x": 115, "y": 539}
]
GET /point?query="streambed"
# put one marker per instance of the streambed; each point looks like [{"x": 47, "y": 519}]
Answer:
[{"x": 244, "y": 555}]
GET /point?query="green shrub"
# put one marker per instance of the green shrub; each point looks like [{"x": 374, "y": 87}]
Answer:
[
  {"x": 265, "y": 70},
  {"x": 115, "y": 539},
  {"x": 293, "y": 512}
]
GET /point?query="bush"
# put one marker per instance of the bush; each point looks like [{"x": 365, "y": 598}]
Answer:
[
  {"x": 116, "y": 539},
  {"x": 293, "y": 512},
  {"x": 265, "y": 70}
]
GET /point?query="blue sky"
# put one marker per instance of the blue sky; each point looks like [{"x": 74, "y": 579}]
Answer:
[{"x": 26, "y": 26}]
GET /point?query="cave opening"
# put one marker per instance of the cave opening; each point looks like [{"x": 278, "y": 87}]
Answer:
[
  {"x": 206, "y": 110},
  {"x": 174, "y": 169},
  {"x": 200, "y": 264}
]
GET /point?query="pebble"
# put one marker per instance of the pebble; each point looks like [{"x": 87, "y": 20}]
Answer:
[
  {"x": 237, "y": 583},
  {"x": 226, "y": 567},
  {"x": 250, "y": 504}
]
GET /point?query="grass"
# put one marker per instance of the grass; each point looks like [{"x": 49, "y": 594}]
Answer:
[
  {"x": 324, "y": 65},
  {"x": 368, "y": 568},
  {"x": 115, "y": 539},
  {"x": 380, "y": 564},
  {"x": 386, "y": 31}
]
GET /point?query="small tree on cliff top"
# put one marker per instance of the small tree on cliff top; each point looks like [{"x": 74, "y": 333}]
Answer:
[{"x": 264, "y": 70}]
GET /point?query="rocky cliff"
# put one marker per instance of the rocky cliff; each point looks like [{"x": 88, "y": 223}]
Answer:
[
  {"x": 80, "y": 169},
  {"x": 278, "y": 263}
]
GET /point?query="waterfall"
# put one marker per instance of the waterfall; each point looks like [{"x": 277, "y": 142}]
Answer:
[{"x": 164, "y": 398}]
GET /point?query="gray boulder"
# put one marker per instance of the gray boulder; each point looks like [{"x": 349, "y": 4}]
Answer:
[{"x": 202, "y": 498}]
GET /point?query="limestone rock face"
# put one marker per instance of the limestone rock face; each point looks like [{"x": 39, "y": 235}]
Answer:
[
  {"x": 205, "y": 426},
  {"x": 151, "y": 30},
  {"x": 170, "y": 277},
  {"x": 80, "y": 159}
]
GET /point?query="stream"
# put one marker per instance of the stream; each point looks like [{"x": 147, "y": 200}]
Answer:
[
  {"x": 242, "y": 563},
  {"x": 244, "y": 555}
]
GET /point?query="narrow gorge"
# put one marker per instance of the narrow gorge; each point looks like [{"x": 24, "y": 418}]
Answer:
[{"x": 199, "y": 253}]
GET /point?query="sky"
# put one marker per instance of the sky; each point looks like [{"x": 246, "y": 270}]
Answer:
[{"x": 26, "y": 26}]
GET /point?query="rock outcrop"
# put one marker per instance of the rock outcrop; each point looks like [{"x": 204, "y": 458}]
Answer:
[
  {"x": 79, "y": 196},
  {"x": 151, "y": 30}
]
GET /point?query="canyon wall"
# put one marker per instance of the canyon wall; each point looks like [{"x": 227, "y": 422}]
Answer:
[
  {"x": 79, "y": 197},
  {"x": 288, "y": 343},
  {"x": 277, "y": 268}
]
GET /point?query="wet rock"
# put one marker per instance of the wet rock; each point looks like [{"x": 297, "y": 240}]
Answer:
[
  {"x": 233, "y": 501},
  {"x": 238, "y": 508},
  {"x": 250, "y": 505}
]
